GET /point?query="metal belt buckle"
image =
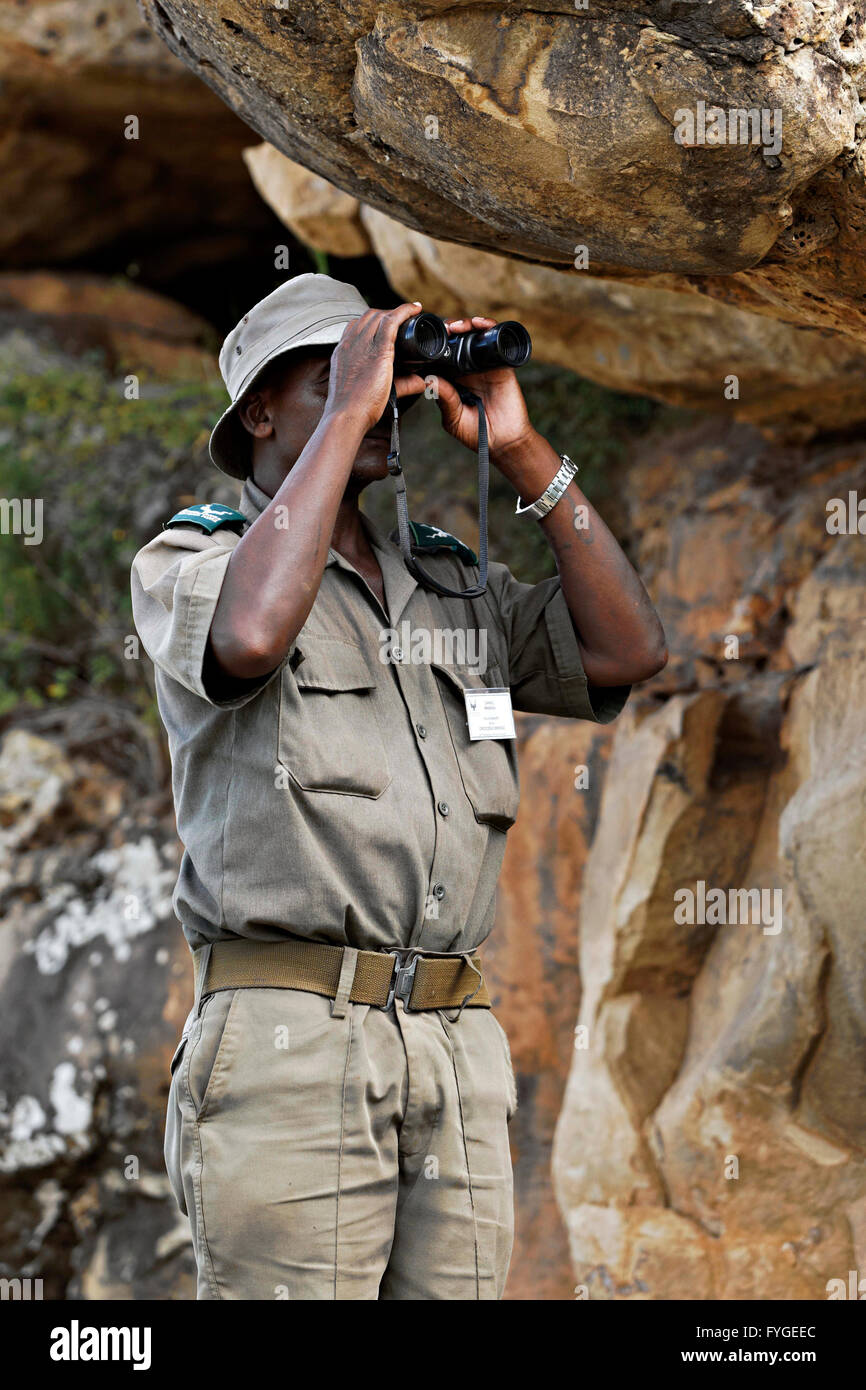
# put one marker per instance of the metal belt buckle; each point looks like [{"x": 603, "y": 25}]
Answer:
[{"x": 403, "y": 978}]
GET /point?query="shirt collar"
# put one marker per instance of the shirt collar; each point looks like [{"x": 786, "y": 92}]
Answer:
[{"x": 399, "y": 583}]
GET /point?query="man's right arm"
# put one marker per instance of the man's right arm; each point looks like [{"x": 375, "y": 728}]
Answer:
[{"x": 275, "y": 571}]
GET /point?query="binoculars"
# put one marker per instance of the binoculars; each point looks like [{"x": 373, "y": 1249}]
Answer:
[{"x": 424, "y": 342}]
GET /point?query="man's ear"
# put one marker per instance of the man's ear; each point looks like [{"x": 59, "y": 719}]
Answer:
[{"x": 255, "y": 415}]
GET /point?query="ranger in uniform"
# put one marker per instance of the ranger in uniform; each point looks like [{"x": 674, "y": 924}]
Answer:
[{"x": 337, "y": 1119}]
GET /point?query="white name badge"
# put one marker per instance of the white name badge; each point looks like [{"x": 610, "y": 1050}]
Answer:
[{"x": 489, "y": 713}]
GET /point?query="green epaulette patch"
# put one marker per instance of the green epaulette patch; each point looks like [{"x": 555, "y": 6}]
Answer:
[
  {"x": 431, "y": 538},
  {"x": 210, "y": 516}
]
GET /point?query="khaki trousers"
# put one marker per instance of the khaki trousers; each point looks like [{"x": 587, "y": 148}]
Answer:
[{"x": 356, "y": 1157}]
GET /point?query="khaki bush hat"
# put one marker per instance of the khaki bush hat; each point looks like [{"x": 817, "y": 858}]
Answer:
[{"x": 304, "y": 312}]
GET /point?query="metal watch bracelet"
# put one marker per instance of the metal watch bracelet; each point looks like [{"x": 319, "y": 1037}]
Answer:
[{"x": 552, "y": 493}]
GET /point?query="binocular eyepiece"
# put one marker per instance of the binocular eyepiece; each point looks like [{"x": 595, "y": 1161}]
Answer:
[{"x": 424, "y": 342}]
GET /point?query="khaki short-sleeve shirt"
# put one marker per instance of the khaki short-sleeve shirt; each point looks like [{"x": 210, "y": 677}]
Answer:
[{"x": 340, "y": 798}]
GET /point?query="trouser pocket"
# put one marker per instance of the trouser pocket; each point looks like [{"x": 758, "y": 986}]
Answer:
[
  {"x": 511, "y": 1080},
  {"x": 197, "y": 1062},
  {"x": 201, "y": 1075},
  {"x": 173, "y": 1120}
]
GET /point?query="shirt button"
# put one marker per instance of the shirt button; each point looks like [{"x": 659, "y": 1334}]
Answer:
[
  {"x": 444, "y": 808},
  {"x": 422, "y": 732},
  {"x": 439, "y": 890},
  {"x": 397, "y": 653}
]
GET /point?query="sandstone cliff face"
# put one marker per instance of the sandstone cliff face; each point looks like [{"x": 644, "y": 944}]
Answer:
[
  {"x": 536, "y": 131},
  {"x": 531, "y": 958},
  {"x": 711, "y": 1142}
]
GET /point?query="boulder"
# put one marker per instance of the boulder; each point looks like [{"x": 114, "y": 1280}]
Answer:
[
  {"x": 720, "y": 144},
  {"x": 319, "y": 214}
]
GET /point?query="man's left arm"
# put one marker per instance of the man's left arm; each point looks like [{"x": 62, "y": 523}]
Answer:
[
  {"x": 618, "y": 631},
  {"x": 619, "y": 636}
]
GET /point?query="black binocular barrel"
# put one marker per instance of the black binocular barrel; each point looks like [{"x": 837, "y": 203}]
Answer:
[
  {"x": 423, "y": 341},
  {"x": 505, "y": 345}
]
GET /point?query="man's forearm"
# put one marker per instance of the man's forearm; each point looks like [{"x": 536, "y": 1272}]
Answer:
[
  {"x": 276, "y": 568},
  {"x": 620, "y": 637}
]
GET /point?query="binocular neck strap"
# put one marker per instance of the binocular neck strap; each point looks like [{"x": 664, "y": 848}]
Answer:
[{"x": 405, "y": 535}]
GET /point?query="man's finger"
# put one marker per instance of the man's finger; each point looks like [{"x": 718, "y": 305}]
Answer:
[
  {"x": 402, "y": 313},
  {"x": 368, "y": 317},
  {"x": 411, "y": 385},
  {"x": 464, "y": 325},
  {"x": 390, "y": 322},
  {"x": 444, "y": 392}
]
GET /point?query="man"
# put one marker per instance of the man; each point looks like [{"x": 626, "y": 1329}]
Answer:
[{"x": 337, "y": 1121}]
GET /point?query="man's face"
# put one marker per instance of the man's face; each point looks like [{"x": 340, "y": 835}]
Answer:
[{"x": 295, "y": 394}]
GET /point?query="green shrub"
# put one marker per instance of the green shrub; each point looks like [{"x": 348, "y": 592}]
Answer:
[{"x": 107, "y": 470}]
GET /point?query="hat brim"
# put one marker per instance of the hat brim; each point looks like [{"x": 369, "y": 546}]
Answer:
[{"x": 230, "y": 444}]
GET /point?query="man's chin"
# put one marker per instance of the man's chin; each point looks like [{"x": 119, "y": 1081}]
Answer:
[{"x": 371, "y": 460}]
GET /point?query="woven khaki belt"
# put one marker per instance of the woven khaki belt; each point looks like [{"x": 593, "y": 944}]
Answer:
[{"x": 422, "y": 982}]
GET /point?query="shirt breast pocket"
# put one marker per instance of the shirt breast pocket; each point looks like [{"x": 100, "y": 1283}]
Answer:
[
  {"x": 488, "y": 767},
  {"x": 330, "y": 735}
]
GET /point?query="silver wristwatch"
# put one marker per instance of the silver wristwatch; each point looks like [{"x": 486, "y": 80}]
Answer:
[{"x": 552, "y": 493}]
